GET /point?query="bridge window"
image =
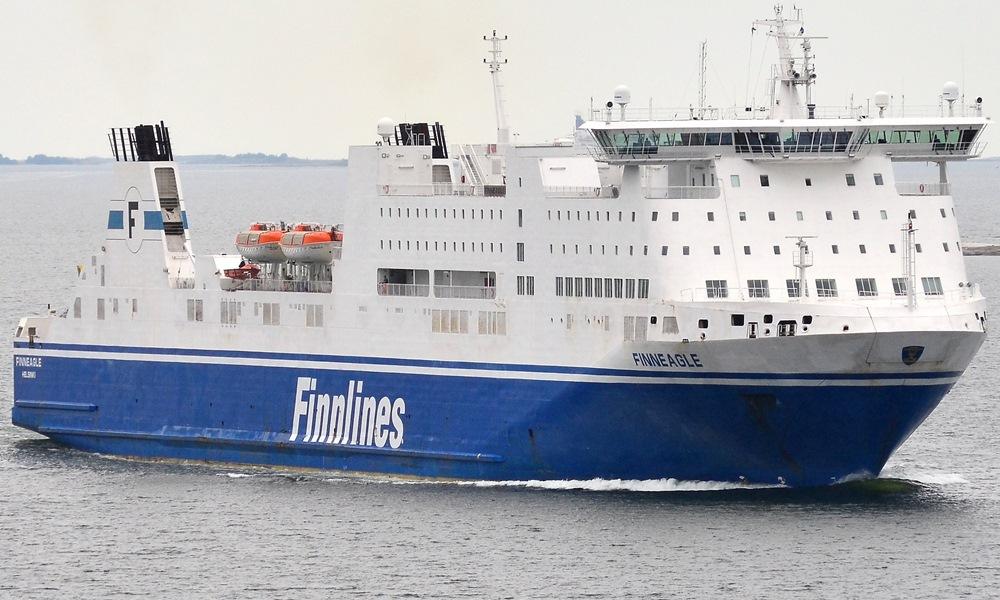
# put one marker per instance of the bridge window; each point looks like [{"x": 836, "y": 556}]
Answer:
[
  {"x": 826, "y": 288},
  {"x": 932, "y": 286},
  {"x": 716, "y": 288},
  {"x": 866, "y": 287},
  {"x": 758, "y": 288}
]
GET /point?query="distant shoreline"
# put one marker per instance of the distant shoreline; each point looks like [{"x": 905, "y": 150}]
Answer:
[{"x": 247, "y": 159}]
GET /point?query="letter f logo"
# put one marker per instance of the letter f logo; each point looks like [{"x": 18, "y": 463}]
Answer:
[
  {"x": 303, "y": 385},
  {"x": 133, "y": 207}
]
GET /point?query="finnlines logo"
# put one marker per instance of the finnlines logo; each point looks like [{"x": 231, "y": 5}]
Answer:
[{"x": 354, "y": 419}]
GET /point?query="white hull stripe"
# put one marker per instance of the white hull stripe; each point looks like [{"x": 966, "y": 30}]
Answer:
[{"x": 749, "y": 379}]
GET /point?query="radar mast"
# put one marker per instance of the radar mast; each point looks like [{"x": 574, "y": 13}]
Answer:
[{"x": 494, "y": 63}]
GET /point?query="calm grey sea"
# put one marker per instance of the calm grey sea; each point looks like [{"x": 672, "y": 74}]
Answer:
[{"x": 74, "y": 525}]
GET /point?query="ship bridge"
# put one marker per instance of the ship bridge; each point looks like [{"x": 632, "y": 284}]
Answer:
[{"x": 901, "y": 139}]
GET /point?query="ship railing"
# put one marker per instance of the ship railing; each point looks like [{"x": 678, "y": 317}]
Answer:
[
  {"x": 280, "y": 285},
  {"x": 182, "y": 283},
  {"x": 465, "y": 292},
  {"x": 569, "y": 191},
  {"x": 441, "y": 189},
  {"x": 932, "y": 150},
  {"x": 685, "y": 192},
  {"x": 404, "y": 289},
  {"x": 917, "y": 188},
  {"x": 742, "y": 113}
]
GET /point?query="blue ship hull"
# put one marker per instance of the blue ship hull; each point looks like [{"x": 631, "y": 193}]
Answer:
[{"x": 472, "y": 426}]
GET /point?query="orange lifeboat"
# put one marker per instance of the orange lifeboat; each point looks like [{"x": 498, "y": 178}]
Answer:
[
  {"x": 261, "y": 243},
  {"x": 311, "y": 243}
]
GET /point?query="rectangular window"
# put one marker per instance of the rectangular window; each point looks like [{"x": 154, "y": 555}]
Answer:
[
  {"x": 655, "y": 214},
  {"x": 608, "y": 290},
  {"x": 746, "y": 250},
  {"x": 743, "y": 216},
  {"x": 792, "y": 286},
  {"x": 100, "y": 309},
  {"x": 809, "y": 182},
  {"x": 77, "y": 308},
  {"x": 850, "y": 180},
  {"x": 520, "y": 217},
  {"x": 798, "y": 215},
  {"x": 579, "y": 287},
  {"x": 314, "y": 313},
  {"x": 272, "y": 314},
  {"x": 857, "y": 215},
  {"x": 568, "y": 281},
  {"x": 770, "y": 215},
  {"x": 520, "y": 285},
  {"x": 932, "y": 286},
  {"x": 883, "y": 214},
  {"x": 945, "y": 246},
  {"x": 195, "y": 309},
  {"x": 829, "y": 216},
  {"x": 892, "y": 248},
  {"x": 630, "y": 288},
  {"x": 716, "y": 250},
  {"x": 618, "y": 287},
  {"x": 530, "y": 286},
  {"x": 589, "y": 287},
  {"x": 878, "y": 179},
  {"x": 644, "y": 288},
  {"x": 686, "y": 250},
  {"x": 670, "y": 325},
  {"x": 826, "y": 288},
  {"x": 711, "y": 216},
  {"x": 559, "y": 286},
  {"x": 835, "y": 248},
  {"x": 716, "y": 288},
  {"x": 764, "y": 181},
  {"x": 758, "y": 288},
  {"x": 734, "y": 181},
  {"x": 899, "y": 286},
  {"x": 520, "y": 252},
  {"x": 663, "y": 251},
  {"x": 449, "y": 321},
  {"x": 675, "y": 216},
  {"x": 492, "y": 322},
  {"x": 861, "y": 247},
  {"x": 229, "y": 312},
  {"x": 866, "y": 286},
  {"x": 777, "y": 249}
]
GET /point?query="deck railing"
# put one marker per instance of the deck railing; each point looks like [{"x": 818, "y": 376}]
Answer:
[
  {"x": 690, "y": 192},
  {"x": 441, "y": 189},
  {"x": 465, "y": 291},
  {"x": 567, "y": 191},
  {"x": 403, "y": 289}
]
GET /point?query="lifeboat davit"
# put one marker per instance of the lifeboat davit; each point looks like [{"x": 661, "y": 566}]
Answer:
[
  {"x": 261, "y": 244},
  {"x": 311, "y": 243}
]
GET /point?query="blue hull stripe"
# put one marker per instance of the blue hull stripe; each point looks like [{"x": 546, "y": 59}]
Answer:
[{"x": 442, "y": 364}]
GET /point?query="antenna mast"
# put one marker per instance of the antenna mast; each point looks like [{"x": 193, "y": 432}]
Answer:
[
  {"x": 494, "y": 63},
  {"x": 791, "y": 71},
  {"x": 702, "y": 58},
  {"x": 802, "y": 259},
  {"x": 910, "y": 264}
]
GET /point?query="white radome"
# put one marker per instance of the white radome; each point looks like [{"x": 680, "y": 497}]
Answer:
[{"x": 623, "y": 95}]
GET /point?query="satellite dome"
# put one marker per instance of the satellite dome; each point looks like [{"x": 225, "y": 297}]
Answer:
[
  {"x": 881, "y": 99},
  {"x": 950, "y": 90},
  {"x": 623, "y": 95},
  {"x": 386, "y": 127}
]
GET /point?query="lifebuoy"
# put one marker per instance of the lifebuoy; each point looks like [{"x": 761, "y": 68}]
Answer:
[
  {"x": 385, "y": 189},
  {"x": 921, "y": 188}
]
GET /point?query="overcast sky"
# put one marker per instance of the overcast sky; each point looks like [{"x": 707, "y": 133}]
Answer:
[{"x": 312, "y": 78}]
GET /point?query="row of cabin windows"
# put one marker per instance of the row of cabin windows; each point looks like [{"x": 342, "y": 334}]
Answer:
[
  {"x": 603, "y": 247},
  {"x": 102, "y": 307},
  {"x": 834, "y": 248},
  {"x": 597, "y": 287},
  {"x": 825, "y": 288},
  {"x": 586, "y": 215},
  {"x": 483, "y": 247},
  {"x": 710, "y": 215},
  {"x": 765, "y": 180},
  {"x": 800, "y": 216},
  {"x": 491, "y": 322},
  {"x": 442, "y": 213}
]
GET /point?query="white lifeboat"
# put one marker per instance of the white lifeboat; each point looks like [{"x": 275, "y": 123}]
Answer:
[{"x": 261, "y": 244}]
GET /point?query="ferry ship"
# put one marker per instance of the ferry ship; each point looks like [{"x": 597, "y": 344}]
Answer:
[{"x": 743, "y": 295}]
